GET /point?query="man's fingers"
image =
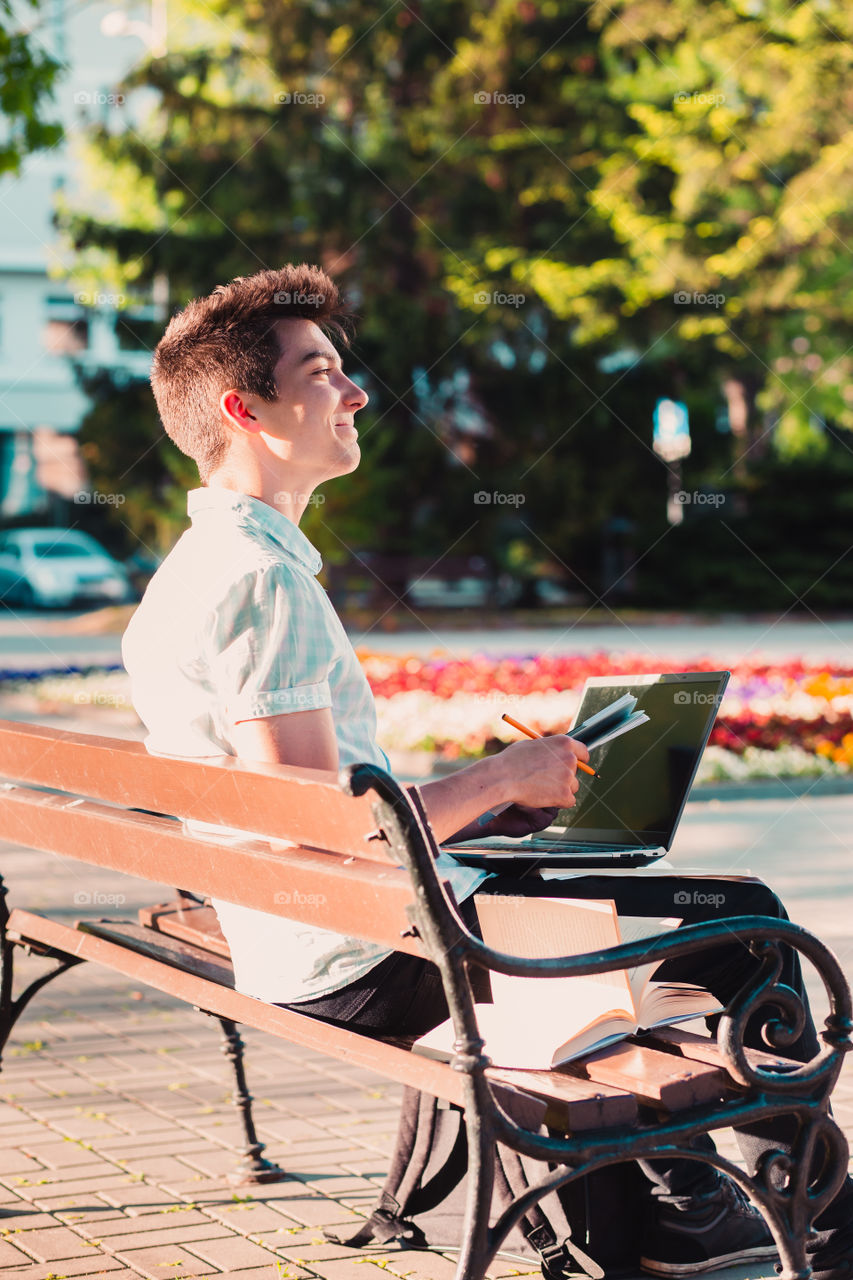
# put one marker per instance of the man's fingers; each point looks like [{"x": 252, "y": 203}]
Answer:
[{"x": 580, "y": 749}]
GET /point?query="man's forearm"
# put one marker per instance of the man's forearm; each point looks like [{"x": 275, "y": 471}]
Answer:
[{"x": 451, "y": 803}]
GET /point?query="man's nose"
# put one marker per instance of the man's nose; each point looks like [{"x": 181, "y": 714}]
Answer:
[{"x": 357, "y": 396}]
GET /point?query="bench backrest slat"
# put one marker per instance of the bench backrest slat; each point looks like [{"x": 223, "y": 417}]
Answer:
[
  {"x": 330, "y": 890},
  {"x": 306, "y": 806}
]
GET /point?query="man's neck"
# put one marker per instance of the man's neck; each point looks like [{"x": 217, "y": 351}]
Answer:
[{"x": 289, "y": 500}]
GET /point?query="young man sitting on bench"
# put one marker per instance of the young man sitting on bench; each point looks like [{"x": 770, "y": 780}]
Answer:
[{"x": 237, "y": 650}]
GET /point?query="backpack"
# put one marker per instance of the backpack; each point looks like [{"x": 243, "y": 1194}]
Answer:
[{"x": 426, "y": 1181}]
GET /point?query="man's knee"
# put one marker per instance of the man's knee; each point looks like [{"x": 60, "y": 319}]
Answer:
[{"x": 764, "y": 902}]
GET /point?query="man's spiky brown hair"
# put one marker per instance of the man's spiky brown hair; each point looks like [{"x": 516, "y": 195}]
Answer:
[{"x": 229, "y": 339}]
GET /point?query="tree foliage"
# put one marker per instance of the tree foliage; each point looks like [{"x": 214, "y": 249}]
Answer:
[
  {"x": 26, "y": 82},
  {"x": 514, "y": 192}
]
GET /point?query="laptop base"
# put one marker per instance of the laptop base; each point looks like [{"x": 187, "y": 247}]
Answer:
[{"x": 495, "y": 855}]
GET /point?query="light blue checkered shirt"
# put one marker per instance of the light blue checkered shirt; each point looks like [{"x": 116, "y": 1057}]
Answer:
[{"x": 234, "y": 625}]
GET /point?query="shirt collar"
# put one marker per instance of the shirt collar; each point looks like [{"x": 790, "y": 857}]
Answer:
[{"x": 254, "y": 514}]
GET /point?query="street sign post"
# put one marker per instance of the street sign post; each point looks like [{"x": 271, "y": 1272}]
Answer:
[{"x": 671, "y": 442}]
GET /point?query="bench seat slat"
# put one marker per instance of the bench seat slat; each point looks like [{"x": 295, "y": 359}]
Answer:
[
  {"x": 569, "y": 1109},
  {"x": 704, "y": 1049},
  {"x": 661, "y": 1079},
  {"x": 592, "y": 1108},
  {"x": 193, "y": 922},
  {"x": 326, "y": 889},
  {"x": 306, "y": 806},
  {"x": 173, "y": 951}
]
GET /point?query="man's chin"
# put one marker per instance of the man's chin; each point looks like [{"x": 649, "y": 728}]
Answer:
[{"x": 354, "y": 454}]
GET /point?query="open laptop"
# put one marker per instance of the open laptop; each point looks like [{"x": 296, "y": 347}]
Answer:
[{"x": 628, "y": 816}]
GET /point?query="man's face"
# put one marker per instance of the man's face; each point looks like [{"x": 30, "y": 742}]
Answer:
[{"x": 310, "y": 426}]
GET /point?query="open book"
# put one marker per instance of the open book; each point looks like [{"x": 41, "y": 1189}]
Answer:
[{"x": 542, "y": 1022}]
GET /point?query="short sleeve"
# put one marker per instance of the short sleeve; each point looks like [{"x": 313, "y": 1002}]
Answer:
[{"x": 268, "y": 647}]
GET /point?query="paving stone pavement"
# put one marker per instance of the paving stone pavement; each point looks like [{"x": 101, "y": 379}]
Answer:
[{"x": 114, "y": 1100}]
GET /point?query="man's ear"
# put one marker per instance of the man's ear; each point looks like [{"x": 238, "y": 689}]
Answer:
[{"x": 234, "y": 409}]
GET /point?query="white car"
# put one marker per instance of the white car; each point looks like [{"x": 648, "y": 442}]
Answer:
[{"x": 57, "y": 567}]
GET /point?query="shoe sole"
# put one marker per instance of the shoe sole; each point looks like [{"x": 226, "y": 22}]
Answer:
[{"x": 762, "y": 1253}]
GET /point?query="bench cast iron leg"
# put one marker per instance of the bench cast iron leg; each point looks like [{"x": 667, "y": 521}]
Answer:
[
  {"x": 253, "y": 1168},
  {"x": 10, "y": 1007}
]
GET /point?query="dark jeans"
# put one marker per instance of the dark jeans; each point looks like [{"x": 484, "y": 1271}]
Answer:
[{"x": 403, "y": 994}]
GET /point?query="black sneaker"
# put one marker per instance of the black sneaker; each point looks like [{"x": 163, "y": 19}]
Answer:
[{"x": 719, "y": 1229}]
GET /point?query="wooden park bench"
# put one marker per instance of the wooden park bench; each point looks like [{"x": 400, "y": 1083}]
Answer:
[{"x": 361, "y": 861}]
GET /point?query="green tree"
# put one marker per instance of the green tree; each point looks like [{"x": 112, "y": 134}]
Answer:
[
  {"x": 26, "y": 84},
  {"x": 329, "y": 135},
  {"x": 725, "y": 192},
  {"x": 511, "y": 192}
]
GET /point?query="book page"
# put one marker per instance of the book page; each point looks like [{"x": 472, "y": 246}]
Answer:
[
  {"x": 541, "y": 927},
  {"x": 540, "y": 1029},
  {"x": 531, "y": 1018},
  {"x": 665, "y": 1002},
  {"x": 635, "y": 929}
]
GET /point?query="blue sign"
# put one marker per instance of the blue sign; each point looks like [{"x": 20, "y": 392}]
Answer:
[{"x": 671, "y": 438}]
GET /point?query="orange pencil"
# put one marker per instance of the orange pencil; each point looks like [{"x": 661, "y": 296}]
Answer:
[{"x": 531, "y": 733}]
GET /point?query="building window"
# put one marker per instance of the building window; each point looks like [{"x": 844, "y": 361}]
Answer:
[{"x": 65, "y": 337}]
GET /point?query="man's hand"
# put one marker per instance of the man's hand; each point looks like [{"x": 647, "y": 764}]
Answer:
[{"x": 537, "y": 775}]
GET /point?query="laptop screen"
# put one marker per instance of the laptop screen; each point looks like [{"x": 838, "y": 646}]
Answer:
[{"x": 646, "y": 774}]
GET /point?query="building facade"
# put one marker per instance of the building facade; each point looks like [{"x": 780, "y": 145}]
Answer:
[{"x": 50, "y": 332}]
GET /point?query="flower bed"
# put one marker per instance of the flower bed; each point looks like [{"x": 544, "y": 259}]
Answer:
[{"x": 780, "y": 720}]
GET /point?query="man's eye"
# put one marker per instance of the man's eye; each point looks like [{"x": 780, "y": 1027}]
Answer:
[{"x": 322, "y": 371}]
